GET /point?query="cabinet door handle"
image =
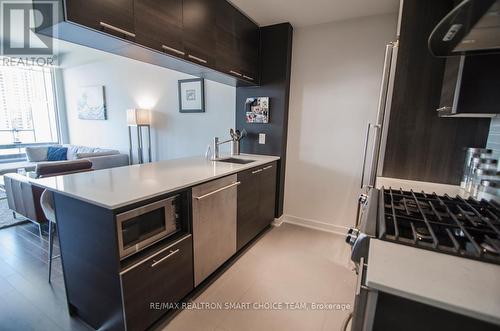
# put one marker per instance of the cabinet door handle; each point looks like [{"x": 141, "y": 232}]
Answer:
[
  {"x": 268, "y": 167},
  {"x": 172, "y": 253},
  {"x": 257, "y": 171},
  {"x": 235, "y": 73},
  {"x": 197, "y": 59},
  {"x": 174, "y": 50},
  {"x": 114, "y": 28},
  {"x": 217, "y": 191},
  {"x": 247, "y": 77}
]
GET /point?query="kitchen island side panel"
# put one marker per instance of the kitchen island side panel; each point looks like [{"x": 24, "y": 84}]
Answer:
[{"x": 90, "y": 260}]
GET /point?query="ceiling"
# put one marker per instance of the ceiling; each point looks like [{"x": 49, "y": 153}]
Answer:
[{"x": 302, "y": 13}]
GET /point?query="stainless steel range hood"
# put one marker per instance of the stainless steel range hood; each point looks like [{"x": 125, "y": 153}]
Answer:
[{"x": 472, "y": 27}]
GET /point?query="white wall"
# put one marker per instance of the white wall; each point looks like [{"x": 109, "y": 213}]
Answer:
[
  {"x": 336, "y": 75},
  {"x": 130, "y": 84}
]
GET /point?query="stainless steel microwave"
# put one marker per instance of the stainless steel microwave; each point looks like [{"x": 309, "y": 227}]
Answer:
[{"x": 141, "y": 227}]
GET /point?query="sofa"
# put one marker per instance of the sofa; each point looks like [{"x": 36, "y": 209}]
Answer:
[
  {"x": 23, "y": 197},
  {"x": 101, "y": 158}
]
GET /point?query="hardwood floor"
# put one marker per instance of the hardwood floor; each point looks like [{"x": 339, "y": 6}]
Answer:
[
  {"x": 28, "y": 301},
  {"x": 288, "y": 264}
]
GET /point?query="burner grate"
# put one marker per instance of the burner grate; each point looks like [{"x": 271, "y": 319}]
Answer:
[{"x": 463, "y": 227}]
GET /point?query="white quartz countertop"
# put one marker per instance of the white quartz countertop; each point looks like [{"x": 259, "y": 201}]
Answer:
[
  {"x": 458, "y": 284},
  {"x": 427, "y": 187},
  {"x": 118, "y": 187}
]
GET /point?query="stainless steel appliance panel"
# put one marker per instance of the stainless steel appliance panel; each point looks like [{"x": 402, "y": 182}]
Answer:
[
  {"x": 214, "y": 225},
  {"x": 141, "y": 227}
]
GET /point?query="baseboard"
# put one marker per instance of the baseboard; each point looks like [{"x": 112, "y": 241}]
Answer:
[
  {"x": 313, "y": 224},
  {"x": 278, "y": 221}
]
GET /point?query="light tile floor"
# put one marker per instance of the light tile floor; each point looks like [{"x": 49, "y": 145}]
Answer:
[{"x": 288, "y": 264}]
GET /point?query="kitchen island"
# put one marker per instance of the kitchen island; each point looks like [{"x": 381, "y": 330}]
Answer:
[
  {"x": 117, "y": 187},
  {"x": 140, "y": 237}
]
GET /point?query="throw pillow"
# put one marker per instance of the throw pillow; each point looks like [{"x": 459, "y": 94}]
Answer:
[
  {"x": 37, "y": 153},
  {"x": 57, "y": 153}
]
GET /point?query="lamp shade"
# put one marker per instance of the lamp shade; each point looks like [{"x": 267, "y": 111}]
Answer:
[{"x": 138, "y": 117}]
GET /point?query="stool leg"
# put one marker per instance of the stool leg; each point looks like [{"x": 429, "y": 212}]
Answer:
[
  {"x": 51, "y": 244},
  {"x": 40, "y": 230}
]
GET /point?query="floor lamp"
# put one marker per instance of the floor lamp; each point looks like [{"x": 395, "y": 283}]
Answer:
[{"x": 139, "y": 118}]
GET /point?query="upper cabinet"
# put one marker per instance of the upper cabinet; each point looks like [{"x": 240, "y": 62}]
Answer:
[
  {"x": 115, "y": 17},
  {"x": 249, "y": 34},
  {"x": 238, "y": 43},
  {"x": 158, "y": 25},
  {"x": 209, "y": 33},
  {"x": 228, "y": 43},
  {"x": 199, "y": 17}
]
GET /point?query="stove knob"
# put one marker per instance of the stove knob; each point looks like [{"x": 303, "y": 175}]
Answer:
[{"x": 352, "y": 235}]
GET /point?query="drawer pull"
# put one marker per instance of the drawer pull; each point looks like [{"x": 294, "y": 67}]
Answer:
[
  {"x": 174, "y": 50},
  {"x": 197, "y": 59},
  {"x": 172, "y": 253},
  {"x": 235, "y": 73},
  {"x": 257, "y": 171},
  {"x": 114, "y": 28},
  {"x": 247, "y": 77},
  {"x": 217, "y": 191},
  {"x": 268, "y": 167}
]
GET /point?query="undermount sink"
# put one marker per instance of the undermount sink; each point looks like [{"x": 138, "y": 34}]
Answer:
[{"x": 235, "y": 160}]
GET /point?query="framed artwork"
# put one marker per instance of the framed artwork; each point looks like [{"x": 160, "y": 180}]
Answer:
[
  {"x": 192, "y": 95},
  {"x": 257, "y": 110},
  {"x": 91, "y": 104}
]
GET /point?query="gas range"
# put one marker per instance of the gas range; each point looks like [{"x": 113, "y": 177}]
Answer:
[
  {"x": 433, "y": 254},
  {"x": 452, "y": 225}
]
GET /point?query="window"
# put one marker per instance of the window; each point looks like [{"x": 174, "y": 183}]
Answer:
[{"x": 27, "y": 108}]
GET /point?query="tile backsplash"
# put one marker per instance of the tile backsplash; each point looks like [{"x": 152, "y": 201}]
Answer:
[{"x": 494, "y": 137}]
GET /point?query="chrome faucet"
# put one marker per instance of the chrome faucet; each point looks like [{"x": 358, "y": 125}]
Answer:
[
  {"x": 236, "y": 136},
  {"x": 216, "y": 144}
]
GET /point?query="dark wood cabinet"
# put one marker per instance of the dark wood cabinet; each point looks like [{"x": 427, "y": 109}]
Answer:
[
  {"x": 421, "y": 145},
  {"x": 169, "y": 276},
  {"x": 268, "y": 193},
  {"x": 237, "y": 43},
  {"x": 227, "y": 40},
  {"x": 158, "y": 25},
  {"x": 199, "y": 32},
  {"x": 115, "y": 17},
  {"x": 470, "y": 86},
  {"x": 256, "y": 201},
  {"x": 249, "y": 48},
  {"x": 205, "y": 38}
]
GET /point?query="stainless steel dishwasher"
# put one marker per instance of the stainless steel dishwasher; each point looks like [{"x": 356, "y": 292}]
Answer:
[{"x": 214, "y": 225}]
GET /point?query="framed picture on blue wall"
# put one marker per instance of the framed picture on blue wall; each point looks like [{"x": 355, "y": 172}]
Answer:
[{"x": 192, "y": 95}]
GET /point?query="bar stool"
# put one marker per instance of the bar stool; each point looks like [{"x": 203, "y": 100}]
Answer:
[{"x": 47, "y": 203}]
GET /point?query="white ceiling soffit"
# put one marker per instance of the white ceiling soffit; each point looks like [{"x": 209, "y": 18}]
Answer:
[{"x": 302, "y": 13}]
